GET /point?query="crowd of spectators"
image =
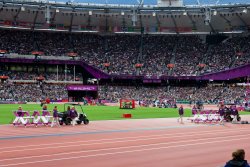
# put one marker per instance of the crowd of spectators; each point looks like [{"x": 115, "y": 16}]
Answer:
[
  {"x": 19, "y": 75},
  {"x": 228, "y": 54},
  {"x": 31, "y": 92},
  {"x": 151, "y": 95},
  {"x": 189, "y": 54},
  {"x": 122, "y": 52}
]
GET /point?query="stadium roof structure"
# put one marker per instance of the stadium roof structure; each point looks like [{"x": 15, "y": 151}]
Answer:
[
  {"x": 154, "y": 2},
  {"x": 74, "y": 16}
]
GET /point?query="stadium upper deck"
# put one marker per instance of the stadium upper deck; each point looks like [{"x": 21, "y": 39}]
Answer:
[
  {"x": 154, "y": 2},
  {"x": 82, "y": 17}
]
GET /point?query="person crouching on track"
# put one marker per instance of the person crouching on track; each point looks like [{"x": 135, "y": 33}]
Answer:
[
  {"x": 194, "y": 110},
  {"x": 235, "y": 114},
  {"x": 238, "y": 159},
  {"x": 55, "y": 119},
  {"x": 73, "y": 115},
  {"x": 20, "y": 111},
  {"x": 44, "y": 108},
  {"x": 222, "y": 113},
  {"x": 45, "y": 113},
  {"x": 19, "y": 117},
  {"x": 181, "y": 113}
]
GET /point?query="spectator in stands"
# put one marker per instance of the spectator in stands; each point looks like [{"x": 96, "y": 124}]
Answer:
[
  {"x": 238, "y": 159},
  {"x": 121, "y": 51}
]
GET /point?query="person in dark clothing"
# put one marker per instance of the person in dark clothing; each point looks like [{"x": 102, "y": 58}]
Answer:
[
  {"x": 68, "y": 110},
  {"x": 181, "y": 113},
  {"x": 238, "y": 159},
  {"x": 20, "y": 111},
  {"x": 55, "y": 117},
  {"x": 73, "y": 115},
  {"x": 222, "y": 113},
  {"x": 44, "y": 107},
  {"x": 235, "y": 114},
  {"x": 194, "y": 110}
]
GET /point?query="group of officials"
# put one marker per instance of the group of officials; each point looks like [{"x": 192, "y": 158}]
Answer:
[
  {"x": 72, "y": 113},
  {"x": 233, "y": 111},
  {"x": 238, "y": 156}
]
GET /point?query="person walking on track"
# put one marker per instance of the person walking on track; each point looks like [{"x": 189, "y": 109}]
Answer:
[
  {"x": 55, "y": 119},
  {"x": 181, "y": 113},
  {"x": 222, "y": 113}
]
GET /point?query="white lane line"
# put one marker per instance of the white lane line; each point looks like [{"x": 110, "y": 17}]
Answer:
[
  {"x": 115, "y": 139},
  {"x": 64, "y": 145},
  {"x": 121, "y": 152},
  {"x": 123, "y": 147}
]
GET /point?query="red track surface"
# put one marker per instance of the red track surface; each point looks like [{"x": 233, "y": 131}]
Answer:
[{"x": 125, "y": 143}]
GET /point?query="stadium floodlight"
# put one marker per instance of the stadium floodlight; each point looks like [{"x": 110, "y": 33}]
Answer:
[
  {"x": 154, "y": 14},
  {"x": 90, "y": 13},
  {"x": 122, "y": 13},
  {"x": 207, "y": 12},
  {"x": 22, "y": 8},
  {"x": 198, "y": 2},
  {"x": 185, "y": 13},
  {"x": 47, "y": 14},
  {"x": 140, "y": 3},
  {"x": 57, "y": 10},
  {"x": 215, "y": 13},
  {"x": 134, "y": 17},
  {"x": 244, "y": 10}
]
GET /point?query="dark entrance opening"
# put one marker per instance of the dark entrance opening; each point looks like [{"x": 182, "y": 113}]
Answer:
[{"x": 77, "y": 96}]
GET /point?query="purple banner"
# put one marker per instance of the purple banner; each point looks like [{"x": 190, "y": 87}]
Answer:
[
  {"x": 241, "y": 71},
  {"x": 151, "y": 81},
  {"x": 238, "y": 72},
  {"x": 82, "y": 88}
]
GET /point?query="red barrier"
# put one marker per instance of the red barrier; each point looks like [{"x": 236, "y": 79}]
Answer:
[{"x": 126, "y": 115}]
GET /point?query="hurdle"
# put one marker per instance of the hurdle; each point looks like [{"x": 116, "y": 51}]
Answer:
[{"x": 205, "y": 116}]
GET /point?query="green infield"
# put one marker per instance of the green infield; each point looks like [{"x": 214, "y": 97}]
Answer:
[
  {"x": 94, "y": 112},
  {"x": 97, "y": 112}
]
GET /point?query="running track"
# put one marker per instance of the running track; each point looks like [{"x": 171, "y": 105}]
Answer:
[{"x": 124, "y": 143}]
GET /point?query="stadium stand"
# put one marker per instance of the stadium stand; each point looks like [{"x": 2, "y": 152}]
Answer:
[
  {"x": 121, "y": 51},
  {"x": 32, "y": 92},
  {"x": 159, "y": 95},
  {"x": 161, "y": 56}
]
